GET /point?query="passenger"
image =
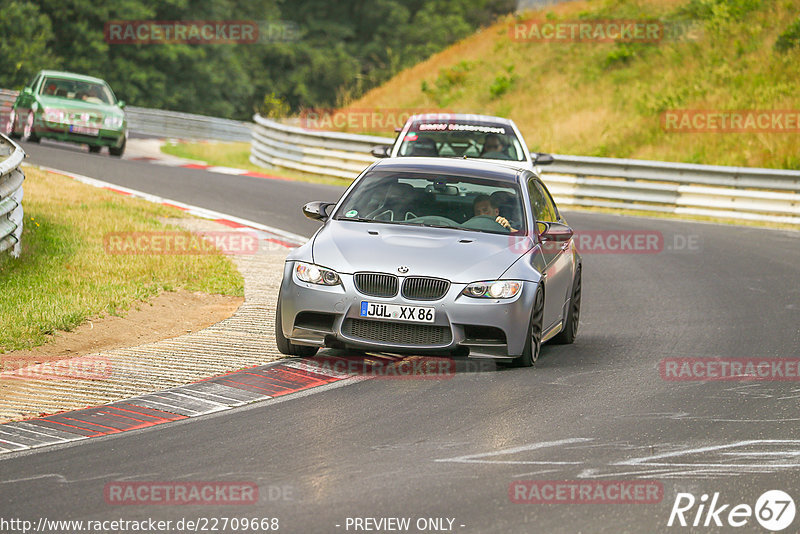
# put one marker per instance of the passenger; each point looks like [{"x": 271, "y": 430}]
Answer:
[
  {"x": 482, "y": 205},
  {"x": 92, "y": 95}
]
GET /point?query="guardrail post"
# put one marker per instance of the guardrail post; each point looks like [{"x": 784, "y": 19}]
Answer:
[{"x": 11, "y": 213}]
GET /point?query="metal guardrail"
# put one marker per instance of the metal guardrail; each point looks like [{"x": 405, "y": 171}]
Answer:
[
  {"x": 317, "y": 152},
  {"x": 11, "y": 178},
  {"x": 707, "y": 190},
  {"x": 160, "y": 123},
  {"x": 7, "y": 99},
  {"x": 174, "y": 124}
]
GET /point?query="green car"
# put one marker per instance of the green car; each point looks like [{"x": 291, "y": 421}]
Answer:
[{"x": 69, "y": 107}]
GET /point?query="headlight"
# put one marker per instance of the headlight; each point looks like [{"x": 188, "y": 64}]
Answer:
[
  {"x": 314, "y": 274},
  {"x": 112, "y": 122},
  {"x": 496, "y": 289},
  {"x": 54, "y": 115}
]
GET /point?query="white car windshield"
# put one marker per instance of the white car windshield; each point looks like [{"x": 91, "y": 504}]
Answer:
[
  {"x": 455, "y": 139},
  {"x": 440, "y": 201}
]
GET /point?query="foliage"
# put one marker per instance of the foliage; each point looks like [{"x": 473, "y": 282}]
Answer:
[
  {"x": 790, "y": 38},
  {"x": 273, "y": 106},
  {"x": 337, "y": 51},
  {"x": 445, "y": 89},
  {"x": 503, "y": 83}
]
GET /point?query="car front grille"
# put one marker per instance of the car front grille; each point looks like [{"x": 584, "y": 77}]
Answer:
[
  {"x": 397, "y": 333},
  {"x": 423, "y": 288},
  {"x": 376, "y": 284},
  {"x": 85, "y": 119}
]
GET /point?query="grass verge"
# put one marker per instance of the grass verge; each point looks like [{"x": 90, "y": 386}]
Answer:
[
  {"x": 606, "y": 99},
  {"x": 64, "y": 275},
  {"x": 237, "y": 155}
]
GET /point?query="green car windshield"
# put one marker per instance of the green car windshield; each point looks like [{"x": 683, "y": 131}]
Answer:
[
  {"x": 91, "y": 92},
  {"x": 441, "y": 201}
]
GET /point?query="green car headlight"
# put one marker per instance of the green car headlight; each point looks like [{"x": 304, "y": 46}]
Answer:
[
  {"x": 54, "y": 115},
  {"x": 308, "y": 272},
  {"x": 113, "y": 122},
  {"x": 493, "y": 289}
]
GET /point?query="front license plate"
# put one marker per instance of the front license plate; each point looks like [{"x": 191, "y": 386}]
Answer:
[
  {"x": 413, "y": 314},
  {"x": 85, "y": 130}
]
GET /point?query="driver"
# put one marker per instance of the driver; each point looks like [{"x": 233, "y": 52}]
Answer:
[
  {"x": 494, "y": 147},
  {"x": 483, "y": 206}
]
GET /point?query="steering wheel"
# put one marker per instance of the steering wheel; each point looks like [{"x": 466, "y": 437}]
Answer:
[{"x": 484, "y": 222}]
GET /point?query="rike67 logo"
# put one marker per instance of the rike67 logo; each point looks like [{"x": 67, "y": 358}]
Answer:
[{"x": 774, "y": 510}]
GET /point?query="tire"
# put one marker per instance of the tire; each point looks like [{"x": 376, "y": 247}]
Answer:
[
  {"x": 533, "y": 343},
  {"x": 11, "y": 125},
  {"x": 570, "y": 330},
  {"x": 27, "y": 131},
  {"x": 94, "y": 149},
  {"x": 284, "y": 345},
  {"x": 117, "y": 152}
]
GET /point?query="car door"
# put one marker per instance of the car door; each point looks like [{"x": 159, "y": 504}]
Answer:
[{"x": 557, "y": 257}]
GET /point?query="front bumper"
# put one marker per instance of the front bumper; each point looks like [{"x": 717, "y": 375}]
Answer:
[
  {"x": 60, "y": 132},
  {"x": 329, "y": 316}
]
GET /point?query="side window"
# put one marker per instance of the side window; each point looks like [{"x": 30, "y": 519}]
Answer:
[
  {"x": 33, "y": 83},
  {"x": 537, "y": 201},
  {"x": 550, "y": 212}
]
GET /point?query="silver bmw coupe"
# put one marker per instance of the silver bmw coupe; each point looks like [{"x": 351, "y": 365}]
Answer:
[{"x": 426, "y": 256}]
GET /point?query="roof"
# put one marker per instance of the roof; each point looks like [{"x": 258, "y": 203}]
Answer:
[
  {"x": 469, "y": 168},
  {"x": 460, "y": 117},
  {"x": 71, "y": 75}
]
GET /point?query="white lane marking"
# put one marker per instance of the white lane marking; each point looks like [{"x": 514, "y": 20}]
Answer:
[
  {"x": 59, "y": 477},
  {"x": 539, "y": 472},
  {"x": 475, "y": 458},
  {"x": 194, "y": 210},
  {"x": 227, "y": 170},
  {"x": 756, "y": 453},
  {"x": 647, "y": 460}
]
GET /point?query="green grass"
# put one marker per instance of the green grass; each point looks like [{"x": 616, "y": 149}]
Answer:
[
  {"x": 607, "y": 99},
  {"x": 237, "y": 155},
  {"x": 64, "y": 275}
]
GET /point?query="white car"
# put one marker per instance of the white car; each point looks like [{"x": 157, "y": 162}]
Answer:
[{"x": 460, "y": 135}]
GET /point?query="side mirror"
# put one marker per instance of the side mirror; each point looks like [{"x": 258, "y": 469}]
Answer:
[
  {"x": 121, "y": 104},
  {"x": 554, "y": 231},
  {"x": 381, "y": 151},
  {"x": 317, "y": 210},
  {"x": 540, "y": 158},
  {"x": 27, "y": 91}
]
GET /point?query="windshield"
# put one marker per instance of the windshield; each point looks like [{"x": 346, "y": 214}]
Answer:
[
  {"x": 474, "y": 204},
  {"x": 454, "y": 139},
  {"x": 91, "y": 92}
]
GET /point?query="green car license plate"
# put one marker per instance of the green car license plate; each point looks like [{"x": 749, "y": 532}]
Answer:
[{"x": 85, "y": 130}]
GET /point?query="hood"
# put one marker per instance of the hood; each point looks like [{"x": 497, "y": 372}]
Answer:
[
  {"x": 456, "y": 255},
  {"x": 69, "y": 104}
]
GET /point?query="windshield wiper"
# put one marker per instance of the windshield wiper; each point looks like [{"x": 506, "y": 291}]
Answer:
[{"x": 355, "y": 219}]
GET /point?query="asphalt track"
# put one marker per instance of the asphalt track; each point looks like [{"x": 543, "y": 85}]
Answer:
[{"x": 451, "y": 447}]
